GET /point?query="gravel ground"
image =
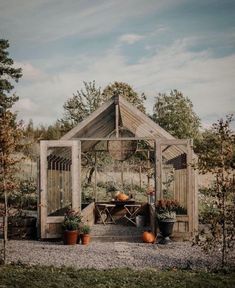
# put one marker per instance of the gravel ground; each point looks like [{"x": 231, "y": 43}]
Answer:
[{"x": 110, "y": 255}]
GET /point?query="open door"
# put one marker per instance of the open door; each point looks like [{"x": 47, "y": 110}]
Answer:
[
  {"x": 60, "y": 184},
  {"x": 175, "y": 179}
]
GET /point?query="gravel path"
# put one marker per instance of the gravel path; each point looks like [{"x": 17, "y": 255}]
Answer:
[{"x": 110, "y": 255}]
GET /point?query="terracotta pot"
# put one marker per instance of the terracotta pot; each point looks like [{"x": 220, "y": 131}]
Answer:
[
  {"x": 70, "y": 237},
  {"x": 85, "y": 239},
  {"x": 148, "y": 237}
]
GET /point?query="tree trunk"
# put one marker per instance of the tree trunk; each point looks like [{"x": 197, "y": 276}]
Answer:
[
  {"x": 90, "y": 175},
  {"x": 5, "y": 224}
]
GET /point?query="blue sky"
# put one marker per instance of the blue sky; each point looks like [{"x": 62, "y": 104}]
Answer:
[{"x": 153, "y": 45}]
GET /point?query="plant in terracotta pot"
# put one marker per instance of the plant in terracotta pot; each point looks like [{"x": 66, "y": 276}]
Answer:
[
  {"x": 72, "y": 220},
  {"x": 166, "y": 217},
  {"x": 85, "y": 234}
]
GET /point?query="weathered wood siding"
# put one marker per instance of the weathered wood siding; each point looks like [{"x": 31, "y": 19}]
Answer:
[
  {"x": 59, "y": 192},
  {"x": 54, "y": 223}
]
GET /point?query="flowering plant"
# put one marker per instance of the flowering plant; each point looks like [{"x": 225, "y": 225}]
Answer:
[
  {"x": 167, "y": 209},
  {"x": 72, "y": 219},
  {"x": 150, "y": 190}
]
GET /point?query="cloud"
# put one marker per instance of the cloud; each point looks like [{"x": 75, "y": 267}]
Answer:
[
  {"x": 47, "y": 21},
  {"x": 26, "y": 106},
  {"x": 206, "y": 80},
  {"x": 130, "y": 38},
  {"x": 30, "y": 72}
]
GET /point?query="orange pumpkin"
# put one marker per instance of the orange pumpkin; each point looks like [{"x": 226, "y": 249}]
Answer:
[
  {"x": 122, "y": 197},
  {"x": 148, "y": 237}
]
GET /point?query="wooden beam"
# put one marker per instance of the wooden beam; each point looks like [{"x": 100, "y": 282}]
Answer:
[
  {"x": 173, "y": 142},
  {"x": 114, "y": 139},
  {"x": 55, "y": 219},
  {"x": 117, "y": 119},
  {"x": 58, "y": 143}
]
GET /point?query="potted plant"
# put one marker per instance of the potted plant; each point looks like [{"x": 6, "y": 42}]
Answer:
[
  {"x": 71, "y": 222},
  {"x": 85, "y": 234},
  {"x": 166, "y": 217}
]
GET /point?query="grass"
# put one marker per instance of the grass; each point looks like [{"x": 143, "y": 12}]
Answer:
[{"x": 38, "y": 276}]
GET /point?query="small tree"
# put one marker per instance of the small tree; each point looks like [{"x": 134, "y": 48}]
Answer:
[
  {"x": 175, "y": 114},
  {"x": 10, "y": 136},
  {"x": 10, "y": 132},
  {"x": 81, "y": 105},
  {"x": 216, "y": 155}
]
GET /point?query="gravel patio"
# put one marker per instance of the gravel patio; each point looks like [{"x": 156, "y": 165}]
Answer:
[{"x": 104, "y": 255}]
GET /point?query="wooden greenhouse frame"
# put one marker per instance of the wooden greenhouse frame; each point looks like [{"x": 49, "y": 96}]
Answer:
[{"x": 110, "y": 117}]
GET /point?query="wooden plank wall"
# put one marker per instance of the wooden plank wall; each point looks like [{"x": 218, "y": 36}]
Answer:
[
  {"x": 180, "y": 186},
  {"x": 54, "y": 227},
  {"x": 59, "y": 190}
]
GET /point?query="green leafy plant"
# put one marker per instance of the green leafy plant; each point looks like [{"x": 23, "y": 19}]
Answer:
[
  {"x": 166, "y": 215},
  {"x": 72, "y": 220},
  {"x": 86, "y": 229}
]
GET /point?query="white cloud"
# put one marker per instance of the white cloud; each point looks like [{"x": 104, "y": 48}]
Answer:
[
  {"x": 130, "y": 38},
  {"x": 206, "y": 80},
  {"x": 30, "y": 72},
  {"x": 26, "y": 106},
  {"x": 45, "y": 21}
]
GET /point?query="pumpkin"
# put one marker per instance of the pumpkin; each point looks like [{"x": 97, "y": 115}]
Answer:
[
  {"x": 122, "y": 197},
  {"x": 148, "y": 237}
]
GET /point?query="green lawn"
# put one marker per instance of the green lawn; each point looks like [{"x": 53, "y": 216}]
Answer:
[{"x": 38, "y": 276}]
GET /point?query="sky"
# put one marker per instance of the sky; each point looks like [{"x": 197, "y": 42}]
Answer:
[{"x": 153, "y": 45}]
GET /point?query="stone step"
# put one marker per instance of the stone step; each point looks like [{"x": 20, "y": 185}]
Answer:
[
  {"x": 112, "y": 230},
  {"x": 120, "y": 238}
]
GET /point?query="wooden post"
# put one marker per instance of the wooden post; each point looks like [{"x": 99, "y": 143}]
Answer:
[
  {"x": 148, "y": 168},
  {"x": 140, "y": 176},
  {"x": 43, "y": 188},
  {"x": 95, "y": 185},
  {"x": 76, "y": 175},
  {"x": 158, "y": 170},
  {"x": 190, "y": 195},
  {"x": 122, "y": 176}
]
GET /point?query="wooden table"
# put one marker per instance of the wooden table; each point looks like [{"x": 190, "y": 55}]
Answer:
[{"x": 104, "y": 210}]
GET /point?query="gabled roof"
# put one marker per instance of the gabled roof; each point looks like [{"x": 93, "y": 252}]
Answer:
[{"x": 101, "y": 123}]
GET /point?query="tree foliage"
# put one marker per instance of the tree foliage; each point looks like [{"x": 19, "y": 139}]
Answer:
[
  {"x": 7, "y": 73},
  {"x": 175, "y": 114},
  {"x": 127, "y": 92},
  {"x": 10, "y": 132},
  {"x": 81, "y": 105},
  {"x": 216, "y": 155},
  {"x": 88, "y": 99}
]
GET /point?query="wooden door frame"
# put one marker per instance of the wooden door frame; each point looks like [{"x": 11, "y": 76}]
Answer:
[
  {"x": 190, "y": 178},
  {"x": 75, "y": 146}
]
